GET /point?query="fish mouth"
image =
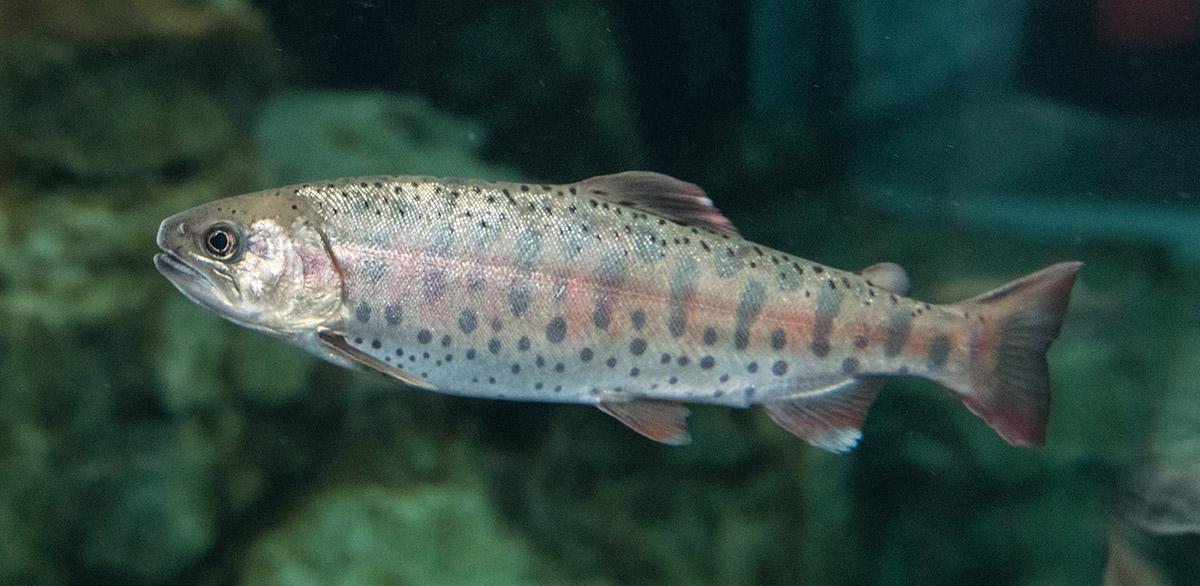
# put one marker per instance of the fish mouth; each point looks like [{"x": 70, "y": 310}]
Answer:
[
  {"x": 172, "y": 267},
  {"x": 192, "y": 282}
]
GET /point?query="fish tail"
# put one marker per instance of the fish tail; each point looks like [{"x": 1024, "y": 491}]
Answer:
[{"x": 1008, "y": 383}]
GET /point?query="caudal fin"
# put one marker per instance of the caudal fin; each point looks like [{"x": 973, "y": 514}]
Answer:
[{"x": 1009, "y": 383}]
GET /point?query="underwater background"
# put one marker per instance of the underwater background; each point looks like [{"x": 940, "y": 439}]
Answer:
[{"x": 145, "y": 441}]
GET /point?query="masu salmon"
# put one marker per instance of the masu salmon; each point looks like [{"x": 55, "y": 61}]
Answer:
[{"x": 630, "y": 292}]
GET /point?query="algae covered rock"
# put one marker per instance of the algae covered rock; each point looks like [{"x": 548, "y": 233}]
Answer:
[
  {"x": 373, "y": 535},
  {"x": 312, "y": 135},
  {"x": 122, "y": 90}
]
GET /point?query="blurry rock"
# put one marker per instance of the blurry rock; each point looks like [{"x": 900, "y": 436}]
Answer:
[
  {"x": 1159, "y": 529},
  {"x": 307, "y": 136},
  {"x": 99, "y": 92},
  {"x": 121, "y": 21},
  {"x": 1127, "y": 566},
  {"x": 379, "y": 536},
  {"x": 152, "y": 508}
]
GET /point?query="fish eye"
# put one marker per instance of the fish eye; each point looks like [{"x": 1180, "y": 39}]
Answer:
[{"x": 221, "y": 242}]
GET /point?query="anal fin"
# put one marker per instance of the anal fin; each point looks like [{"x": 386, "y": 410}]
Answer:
[
  {"x": 661, "y": 421},
  {"x": 336, "y": 344},
  {"x": 830, "y": 419}
]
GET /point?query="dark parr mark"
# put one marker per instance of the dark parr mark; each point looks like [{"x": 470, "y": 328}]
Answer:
[
  {"x": 468, "y": 321},
  {"x": 850, "y": 365},
  {"x": 585, "y": 355},
  {"x": 476, "y": 282},
  {"x": 748, "y": 309},
  {"x": 899, "y": 325},
  {"x": 679, "y": 298},
  {"x": 637, "y": 346},
  {"x": 752, "y": 367},
  {"x": 556, "y": 330},
  {"x": 494, "y": 346},
  {"x": 424, "y": 336},
  {"x": 780, "y": 368},
  {"x": 602, "y": 314},
  {"x": 829, "y": 303},
  {"x": 638, "y": 318},
  {"x": 710, "y": 336},
  {"x": 393, "y": 313},
  {"x": 609, "y": 279},
  {"x": 707, "y": 362},
  {"x": 446, "y": 341},
  {"x": 523, "y": 343},
  {"x": 363, "y": 313},
  {"x": 939, "y": 351},
  {"x": 778, "y": 339},
  {"x": 519, "y": 295},
  {"x": 435, "y": 285},
  {"x": 529, "y": 248}
]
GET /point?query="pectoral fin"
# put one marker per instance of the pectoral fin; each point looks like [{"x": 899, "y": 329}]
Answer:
[
  {"x": 661, "y": 421},
  {"x": 336, "y": 344}
]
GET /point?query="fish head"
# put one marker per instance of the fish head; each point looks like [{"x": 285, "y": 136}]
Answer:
[{"x": 259, "y": 260}]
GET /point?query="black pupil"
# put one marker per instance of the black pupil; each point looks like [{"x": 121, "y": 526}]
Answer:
[{"x": 219, "y": 242}]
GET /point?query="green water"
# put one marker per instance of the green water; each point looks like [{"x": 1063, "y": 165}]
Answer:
[{"x": 145, "y": 441}]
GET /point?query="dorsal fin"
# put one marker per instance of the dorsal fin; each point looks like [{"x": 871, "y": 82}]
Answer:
[
  {"x": 661, "y": 195},
  {"x": 337, "y": 344},
  {"x": 659, "y": 420},
  {"x": 888, "y": 275}
]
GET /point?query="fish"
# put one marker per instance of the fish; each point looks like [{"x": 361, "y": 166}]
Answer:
[{"x": 630, "y": 292}]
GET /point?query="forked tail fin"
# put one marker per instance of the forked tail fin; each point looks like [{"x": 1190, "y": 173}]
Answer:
[{"x": 1009, "y": 382}]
